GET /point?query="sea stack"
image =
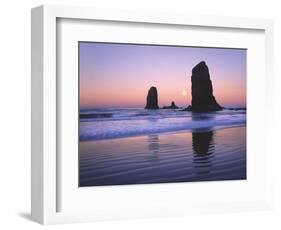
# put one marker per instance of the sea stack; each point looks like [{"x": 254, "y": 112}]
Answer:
[
  {"x": 172, "y": 106},
  {"x": 203, "y": 99},
  {"x": 152, "y": 99}
]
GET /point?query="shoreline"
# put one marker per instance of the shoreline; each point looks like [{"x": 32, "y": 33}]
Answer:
[
  {"x": 201, "y": 130},
  {"x": 166, "y": 158}
]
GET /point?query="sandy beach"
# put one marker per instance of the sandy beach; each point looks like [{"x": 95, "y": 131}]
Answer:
[{"x": 165, "y": 158}]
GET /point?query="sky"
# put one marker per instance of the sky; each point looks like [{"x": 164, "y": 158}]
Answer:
[{"x": 120, "y": 75}]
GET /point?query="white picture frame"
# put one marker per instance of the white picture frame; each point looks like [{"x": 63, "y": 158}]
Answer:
[{"x": 46, "y": 181}]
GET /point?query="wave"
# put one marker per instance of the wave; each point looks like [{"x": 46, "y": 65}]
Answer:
[
  {"x": 95, "y": 115},
  {"x": 135, "y": 114},
  {"x": 127, "y": 123}
]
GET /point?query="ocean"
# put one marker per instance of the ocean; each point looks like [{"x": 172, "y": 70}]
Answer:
[{"x": 138, "y": 146}]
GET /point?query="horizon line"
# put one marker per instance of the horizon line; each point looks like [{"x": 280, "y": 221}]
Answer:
[{"x": 143, "y": 107}]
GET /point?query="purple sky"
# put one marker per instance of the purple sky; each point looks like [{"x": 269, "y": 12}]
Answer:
[{"x": 119, "y": 75}]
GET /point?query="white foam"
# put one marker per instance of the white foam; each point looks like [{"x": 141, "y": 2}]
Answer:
[{"x": 127, "y": 123}]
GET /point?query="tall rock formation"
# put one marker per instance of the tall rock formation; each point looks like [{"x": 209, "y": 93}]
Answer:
[
  {"x": 203, "y": 99},
  {"x": 152, "y": 99}
]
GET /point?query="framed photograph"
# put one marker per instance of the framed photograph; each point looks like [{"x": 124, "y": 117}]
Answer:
[{"x": 139, "y": 115}]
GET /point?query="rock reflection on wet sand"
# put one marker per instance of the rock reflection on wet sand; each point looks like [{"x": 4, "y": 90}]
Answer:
[{"x": 165, "y": 158}]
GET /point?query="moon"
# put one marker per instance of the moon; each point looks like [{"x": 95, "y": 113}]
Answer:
[{"x": 184, "y": 93}]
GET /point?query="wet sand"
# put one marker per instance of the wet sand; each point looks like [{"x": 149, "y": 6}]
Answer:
[{"x": 164, "y": 158}]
